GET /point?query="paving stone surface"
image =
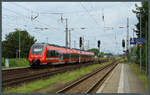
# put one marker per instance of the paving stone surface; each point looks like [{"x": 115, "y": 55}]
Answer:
[
  {"x": 122, "y": 80},
  {"x": 111, "y": 86}
]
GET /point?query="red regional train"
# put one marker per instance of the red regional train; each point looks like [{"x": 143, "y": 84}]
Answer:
[{"x": 43, "y": 53}]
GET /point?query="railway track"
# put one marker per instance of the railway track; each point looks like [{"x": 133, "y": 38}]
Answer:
[
  {"x": 14, "y": 70},
  {"x": 90, "y": 82},
  {"x": 18, "y": 76}
]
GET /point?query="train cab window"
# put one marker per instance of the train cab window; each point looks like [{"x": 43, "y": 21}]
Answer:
[{"x": 37, "y": 49}]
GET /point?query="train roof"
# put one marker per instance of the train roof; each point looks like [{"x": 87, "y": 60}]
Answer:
[
  {"x": 82, "y": 51},
  {"x": 61, "y": 46}
]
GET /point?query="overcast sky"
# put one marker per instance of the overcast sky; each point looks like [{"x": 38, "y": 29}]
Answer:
[{"x": 86, "y": 15}]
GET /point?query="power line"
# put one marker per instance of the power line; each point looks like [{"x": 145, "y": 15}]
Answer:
[
  {"x": 23, "y": 7},
  {"x": 88, "y": 13},
  {"x": 24, "y": 16},
  {"x": 27, "y": 17},
  {"x": 28, "y": 9},
  {"x": 16, "y": 12}
]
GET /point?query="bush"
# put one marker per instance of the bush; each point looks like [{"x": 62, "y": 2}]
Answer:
[{"x": 15, "y": 62}]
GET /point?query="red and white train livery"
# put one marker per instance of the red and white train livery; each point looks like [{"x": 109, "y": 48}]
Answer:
[{"x": 42, "y": 53}]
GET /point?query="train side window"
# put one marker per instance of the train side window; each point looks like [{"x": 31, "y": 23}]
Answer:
[
  {"x": 57, "y": 54},
  {"x": 52, "y": 53}
]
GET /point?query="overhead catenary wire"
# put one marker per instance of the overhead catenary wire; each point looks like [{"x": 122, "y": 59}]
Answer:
[
  {"x": 36, "y": 11},
  {"x": 39, "y": 24},
  {"x": 89, "y": 13},
  {"x": 51, "y": 12},
  {"x": 27, "y": 9},
  {"x": 16, "y": 12},
  {"x": 28, "y": 17},
  {"x": 31, "y": 10},
  {"x": 36, "y": 20}
]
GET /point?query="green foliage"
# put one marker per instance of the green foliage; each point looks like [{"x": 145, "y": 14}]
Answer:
[
  {"x": 10, "y": 46},
  {"x": 132, "y": 54},
  {"x": 102, "y": 54},
  {"x": 142, "y": 76},
  {"x": 3, "y": 62},
  {"x": 144, "y": 22},
  {"x": 59, "y": 78},
  {"x": 95, "y": 51},
  {"x": 13, "y": 62},
  {"x": 144, "y": 11}
]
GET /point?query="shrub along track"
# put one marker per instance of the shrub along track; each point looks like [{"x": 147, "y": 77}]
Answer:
[
  {"x": 90, "y": 82},
  {"x": 18, "y": 76}
]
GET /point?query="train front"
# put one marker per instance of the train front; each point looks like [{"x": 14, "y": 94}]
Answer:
[{"x": 36, "y": 55}]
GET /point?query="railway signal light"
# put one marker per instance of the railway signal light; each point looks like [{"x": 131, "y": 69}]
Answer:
[
  {"x": 123, "y": 43},
  {"x": 99, "y": 43},
  {"x": 80, "y": 42},
  {"x": 127, "y": 51}
]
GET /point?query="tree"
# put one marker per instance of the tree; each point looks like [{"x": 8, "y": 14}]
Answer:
[
  {"x": 95, "y": 51},
  {"x": 144, "y": 19},
  {"x": 144, "y": 12},
  {"x": 102, "y": 54},
  {"x": 10, "y": 45}
]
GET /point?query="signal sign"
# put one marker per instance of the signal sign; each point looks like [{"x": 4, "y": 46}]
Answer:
[
  {"x": 133, "y": 41},
  {"x": 140, "y": 45},
  {"x": 140, "y": 41}
]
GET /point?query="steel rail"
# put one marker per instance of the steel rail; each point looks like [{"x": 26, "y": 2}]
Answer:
[
  {"x": 84, "y": 78},
  {"x": 100, "y": 80},
  {"x": 15, "y": 81}
]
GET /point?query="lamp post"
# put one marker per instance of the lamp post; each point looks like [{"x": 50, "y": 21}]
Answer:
[
  {"x": 71, "y": 29},
  {"x": 140, "y": 47},
  {"x": 19, "y": 45}
]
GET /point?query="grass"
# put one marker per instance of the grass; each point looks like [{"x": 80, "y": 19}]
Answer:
[
  {"x": 14, "y": 62},
  {"x": 99, "y": 58},
  {"x": 63, "y": 78},
  {"x": 142, "y": 76},
  {"x": 48, "y": 89},
  {"x": 122, "y": 60},
  {"x": 23, "y": 62}
]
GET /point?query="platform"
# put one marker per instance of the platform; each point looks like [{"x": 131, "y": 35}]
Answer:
[{"x": 122, "y": 80}]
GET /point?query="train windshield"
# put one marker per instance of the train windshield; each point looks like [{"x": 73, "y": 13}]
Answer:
[{"x": 37, "y": 49}]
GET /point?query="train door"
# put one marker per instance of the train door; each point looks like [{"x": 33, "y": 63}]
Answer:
[{"x": 70, "y": 58}]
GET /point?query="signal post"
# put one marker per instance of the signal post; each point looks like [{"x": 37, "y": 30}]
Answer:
[
  {"x": 99, "y": 42},
  {"x": 80, "y": 45}
]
